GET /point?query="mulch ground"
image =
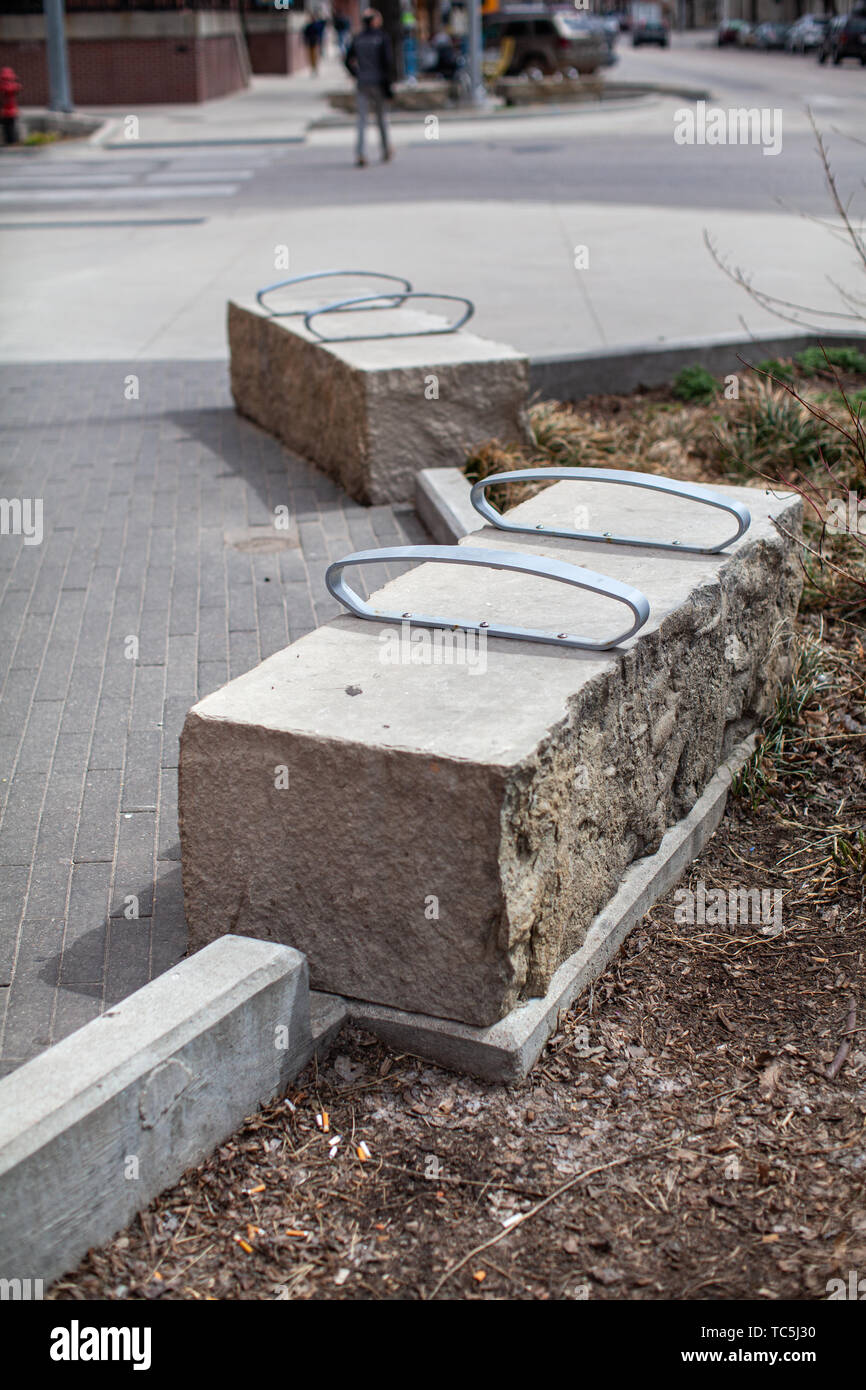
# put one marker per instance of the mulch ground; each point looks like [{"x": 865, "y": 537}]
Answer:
[{"x": 694, "y": 1130}]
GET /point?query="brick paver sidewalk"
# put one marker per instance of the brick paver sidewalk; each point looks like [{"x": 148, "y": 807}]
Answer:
[{"x": 148, "y": 590}]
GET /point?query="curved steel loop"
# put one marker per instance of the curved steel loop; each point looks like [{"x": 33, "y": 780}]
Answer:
[
  {"x": 369, "y": 302},
  {"x": 538, "y": 566},
  {"x": 401, "y": 280},
  {"x": 692, "y": 491}
]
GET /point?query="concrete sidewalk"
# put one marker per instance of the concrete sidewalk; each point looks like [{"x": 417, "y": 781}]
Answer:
[
  {"x": 272, "y": 110},
  {"x": 156, "y": 581},
  {"x": 159, "y": 292},
  {"x": 150, "y": 284}
]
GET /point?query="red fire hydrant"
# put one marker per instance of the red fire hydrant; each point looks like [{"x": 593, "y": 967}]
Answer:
[{"x": 9, "y": 89}]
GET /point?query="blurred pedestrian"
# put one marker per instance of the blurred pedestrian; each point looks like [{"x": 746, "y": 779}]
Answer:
[
  {"x": 459, "y": 27},
  {"x": 343, "y": 30},
  {"x": 9, "y": 89},
  {"x": 447, "y": 62},
  {"x": 370, "y": 60},
  {"x": 409, "y": 30},
  {"x": 313, "y": 35}
]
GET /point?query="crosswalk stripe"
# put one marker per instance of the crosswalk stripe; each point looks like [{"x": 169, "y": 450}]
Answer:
[
  {"x": 110, "y": 195},
  {"x": 192, "y": 177},
  {"x": 79, "y": 181}
]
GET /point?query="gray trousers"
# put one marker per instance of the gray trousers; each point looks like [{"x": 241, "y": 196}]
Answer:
[{"x": 371, "y": 97}]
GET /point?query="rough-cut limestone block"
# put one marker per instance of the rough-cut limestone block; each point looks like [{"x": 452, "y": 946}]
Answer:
[
  {"x": 448, "y": 832},
  {"x": 367, "y": 412}
]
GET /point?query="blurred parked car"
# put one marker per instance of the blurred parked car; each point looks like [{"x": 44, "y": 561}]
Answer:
[
  {"x": 648, "y": 25},
  {"x": 547, "y": 42},
  {"x": 845, "y": 38},
  {"x": 608, "y": 31},
  {"x": 729, "y": 31},
  {"x": 807, "y": 33},
  {"x": 771, "y": 35}
]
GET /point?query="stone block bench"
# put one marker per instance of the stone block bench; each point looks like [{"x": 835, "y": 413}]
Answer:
[
  {"x": 371, "y": 414},
  {"x": 437, "y": 835}
]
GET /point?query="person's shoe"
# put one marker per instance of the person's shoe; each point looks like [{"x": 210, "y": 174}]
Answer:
[
  {"x": 387, "y": 156},
  {"x": 361, "y": 162}
]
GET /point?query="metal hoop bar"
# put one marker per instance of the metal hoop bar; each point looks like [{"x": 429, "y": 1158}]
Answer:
[
  {"x": 611, "y": 475},
  {"x": 537, "y": 566},
  {"x": 324, "y": 275},
  {"x": 369, "y": 301}
]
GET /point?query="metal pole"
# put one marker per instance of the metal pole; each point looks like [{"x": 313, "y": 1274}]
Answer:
[
  {"x": 478, "y": 93},
  {"x": 60, "y": 98}
]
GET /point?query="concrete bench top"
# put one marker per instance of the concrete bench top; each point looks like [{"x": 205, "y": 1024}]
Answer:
[
  {"x": 448, "y": 709},
  {"x": 370, "y": 355}
]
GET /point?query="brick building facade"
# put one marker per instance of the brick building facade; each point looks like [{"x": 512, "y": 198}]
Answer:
[{"x": 125, "y": 53}]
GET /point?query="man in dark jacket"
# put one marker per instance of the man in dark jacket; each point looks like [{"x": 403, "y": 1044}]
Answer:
[{"x": 370, "y": 61}]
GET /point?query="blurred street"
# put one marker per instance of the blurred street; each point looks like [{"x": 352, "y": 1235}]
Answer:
[{"x": 129, "y": 248}]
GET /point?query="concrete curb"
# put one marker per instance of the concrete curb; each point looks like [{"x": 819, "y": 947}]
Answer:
[
  {"x": 445, "y": 114},
  {"x": 109, "y": 143},
  {"x": 572, "y": 376},
  {"x": 200, "y": 144},
  {"x": 108, "y": 137},
  {"x": 98, "y": 1125},
  {"x": 507, "y": 1050},
  {"x": 104, "y": 130},
  {"x": 623, "y": 95},
  {"x": 442, "y": 503},
  {"x": 76, "y": 125}
]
